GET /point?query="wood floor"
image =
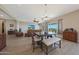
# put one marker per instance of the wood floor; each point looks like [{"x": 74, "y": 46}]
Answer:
[{"x": 22, "y": 46}]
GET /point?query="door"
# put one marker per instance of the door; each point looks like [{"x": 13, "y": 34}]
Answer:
[{"x": 2, "y": 27}]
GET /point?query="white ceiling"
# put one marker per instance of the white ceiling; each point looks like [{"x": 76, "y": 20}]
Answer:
[{"x": 28, "y": 12}]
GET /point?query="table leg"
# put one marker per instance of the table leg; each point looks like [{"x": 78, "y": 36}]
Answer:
[
  {"x": 46, "y": 50},
  {"x": 60, "y": 44},
  {"x": 54, "y": 45},
  {"x": 41, "y": 46}
]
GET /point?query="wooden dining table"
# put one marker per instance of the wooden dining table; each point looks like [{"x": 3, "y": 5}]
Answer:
[{"x": 48, "y": 41}]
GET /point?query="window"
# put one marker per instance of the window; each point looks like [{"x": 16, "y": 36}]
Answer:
[
  {"x": 31, "y": 27},
  {"x": 53, "y": 28}
]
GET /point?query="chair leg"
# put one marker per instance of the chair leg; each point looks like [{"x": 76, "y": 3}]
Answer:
[{"x": 33, "y": 46}]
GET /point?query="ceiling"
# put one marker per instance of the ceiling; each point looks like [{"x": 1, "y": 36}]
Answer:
[{"x": 27, "y": 12}]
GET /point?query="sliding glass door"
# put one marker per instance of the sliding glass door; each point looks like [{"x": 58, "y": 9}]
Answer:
[{"x": 53, "y": 28}]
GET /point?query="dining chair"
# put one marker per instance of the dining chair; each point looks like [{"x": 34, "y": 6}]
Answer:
[{"x": 36, "y": 42}]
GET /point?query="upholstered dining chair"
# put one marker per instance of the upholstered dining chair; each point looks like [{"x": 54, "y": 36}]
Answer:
[{"x": 36, "y": 41}]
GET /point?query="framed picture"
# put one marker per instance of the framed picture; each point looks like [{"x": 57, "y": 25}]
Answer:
[{"x": 11, "y": 25}]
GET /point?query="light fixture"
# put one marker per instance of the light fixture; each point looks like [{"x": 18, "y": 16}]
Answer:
[
  {"x": 35, "y": 20},
  {"x": 1, "y": 15},
  {"x": 44, "y": 18}
]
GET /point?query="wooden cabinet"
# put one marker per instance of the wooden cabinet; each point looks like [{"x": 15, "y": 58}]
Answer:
[
  {"x": 2, "y": 41},
  {"x": 2, "y": 35},
  {"x": 11, "y": 32},
  {"x": 71, "y": 36}
]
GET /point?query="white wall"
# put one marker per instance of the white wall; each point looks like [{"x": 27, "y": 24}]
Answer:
[
  {"x": 8, "y": 22},
  {"x": 70, "y": 20},
  {"x": 24, "y": 25},
  {"x": 19, "y": 24}
]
